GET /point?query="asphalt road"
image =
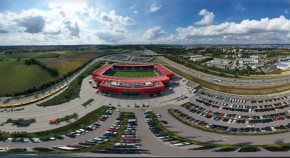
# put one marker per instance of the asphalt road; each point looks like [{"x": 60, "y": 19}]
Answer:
[{"x": 227, "y": 81}]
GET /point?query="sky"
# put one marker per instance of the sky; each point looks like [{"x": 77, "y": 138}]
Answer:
[{"x": 69, "y": 22}]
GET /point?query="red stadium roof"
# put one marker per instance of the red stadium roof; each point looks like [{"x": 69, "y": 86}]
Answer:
[
  {"x": 164, "y": 70},
  {"x": 101, "y": 70}
]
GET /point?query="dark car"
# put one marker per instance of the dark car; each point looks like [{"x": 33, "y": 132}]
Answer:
[
  {"x": 24, "y": 123},
  {"x": 42, "y": 149},
  {"x": 70, "y": 135},
  {"x": 18, "y": 150},
  {"x": 59, "y": 137},
  {"x": 45, "y": 139}
]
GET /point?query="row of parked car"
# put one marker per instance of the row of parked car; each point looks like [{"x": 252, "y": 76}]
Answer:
[
  {"x": 238, "y": 100},
  {"x": 243, "y": 149},
  {"x": 234, "y": 118},
  {"x": 225, "y": 128},
  {"x": 128, "y": 143},
  {"x": 74, "y": 134},
  {"x": 157, "y": 132},
  {"x": 243, "y": 108},
  {"x": 103, "y": 138},
  {"x": 275, "y": 102},
  {"x": 224, "y": 99}
]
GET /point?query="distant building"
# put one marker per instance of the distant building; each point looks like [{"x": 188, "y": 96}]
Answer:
[
  {"x": 283, "y": 65},
  {"x": 248, "y": 60},
  {"x": 197, "y": 57},
  {"x": 220, "y": 63},
  {"x": 255, "y": 65}
]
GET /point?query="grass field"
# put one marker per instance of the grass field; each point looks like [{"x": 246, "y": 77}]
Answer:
[
  {"x": 137, "y": 74},
  {"x": 16, "y": 76},
  {"x": 20, "y": 77}
]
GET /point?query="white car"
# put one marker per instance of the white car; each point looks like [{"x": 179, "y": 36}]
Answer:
[
  {"x": 25, "y": 140},
  {"x": 3, "y": 149},
  {"x": 9, "y": 140},
  {"x": 52, "y": 138},
  {"x": 181, "y": 144},
  {"x": 36, "y": 140}
]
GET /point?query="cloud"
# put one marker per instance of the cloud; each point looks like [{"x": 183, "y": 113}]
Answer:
[
  {"x": 286, "y": 11},
  {"x": 154, "y": 8},
  {"x": 238, "y": 6},
  {"x": 133, "y": 10},
  {"x": 208, "y": 17},
  {"x": 111, "y": 18},
  {"x": 110, "y": 37},
  {"x": 154, "y": 33},
  {"x": 74, "y": 30},
  {"x": 2, "y": 30},
  {"x": 34, "y": 24},
  {"x": 245, "y": 27}
]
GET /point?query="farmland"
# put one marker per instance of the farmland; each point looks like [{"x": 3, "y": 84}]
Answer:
[{"x": 18, "y": 77}]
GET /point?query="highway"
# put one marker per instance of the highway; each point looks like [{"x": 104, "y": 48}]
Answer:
[{"x": 235, "y": 82}]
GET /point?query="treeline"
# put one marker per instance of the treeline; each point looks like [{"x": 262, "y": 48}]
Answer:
[
  {"x": 199, "y": 66},
  {"x": 51, "y": 70}
]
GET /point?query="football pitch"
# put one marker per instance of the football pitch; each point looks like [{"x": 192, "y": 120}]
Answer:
[{"x": 137, "y": 74}]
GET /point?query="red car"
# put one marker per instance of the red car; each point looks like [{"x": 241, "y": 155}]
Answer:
[{"x": 52, "y": 121}]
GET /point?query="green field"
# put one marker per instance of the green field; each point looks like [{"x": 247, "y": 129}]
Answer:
[
  {"x": 132, "y": 74},
  {"x": 16, "y": 76}
]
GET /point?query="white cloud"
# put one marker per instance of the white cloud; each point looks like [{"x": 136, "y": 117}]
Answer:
[
  {"x": 238, "y": 6},
  {"x": 154, "y": 8},
  {"x": 154, "y": 33},
  {"x": 208, "y": 17},
  {"x": 69, "y": 7},
  {"x": 111, "y": 18},
  {"x": 246, "y": 27},
  {"x": 110, "y": 37},
  {"x": 133, "y": 10}
]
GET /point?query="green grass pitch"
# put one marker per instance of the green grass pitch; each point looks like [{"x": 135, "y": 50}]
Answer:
[{"x": 132, "y": 74}]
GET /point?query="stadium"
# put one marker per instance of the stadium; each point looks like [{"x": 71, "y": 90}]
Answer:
[{"x": 132, "y": 79}]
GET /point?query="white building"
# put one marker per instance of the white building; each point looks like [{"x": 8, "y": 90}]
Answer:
[
  {"x": 197, "y": 57},
  {"x": 220, "y": 63},
  {"x": 248, "y": 60},
  {"x": 283, "y": 65}
]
